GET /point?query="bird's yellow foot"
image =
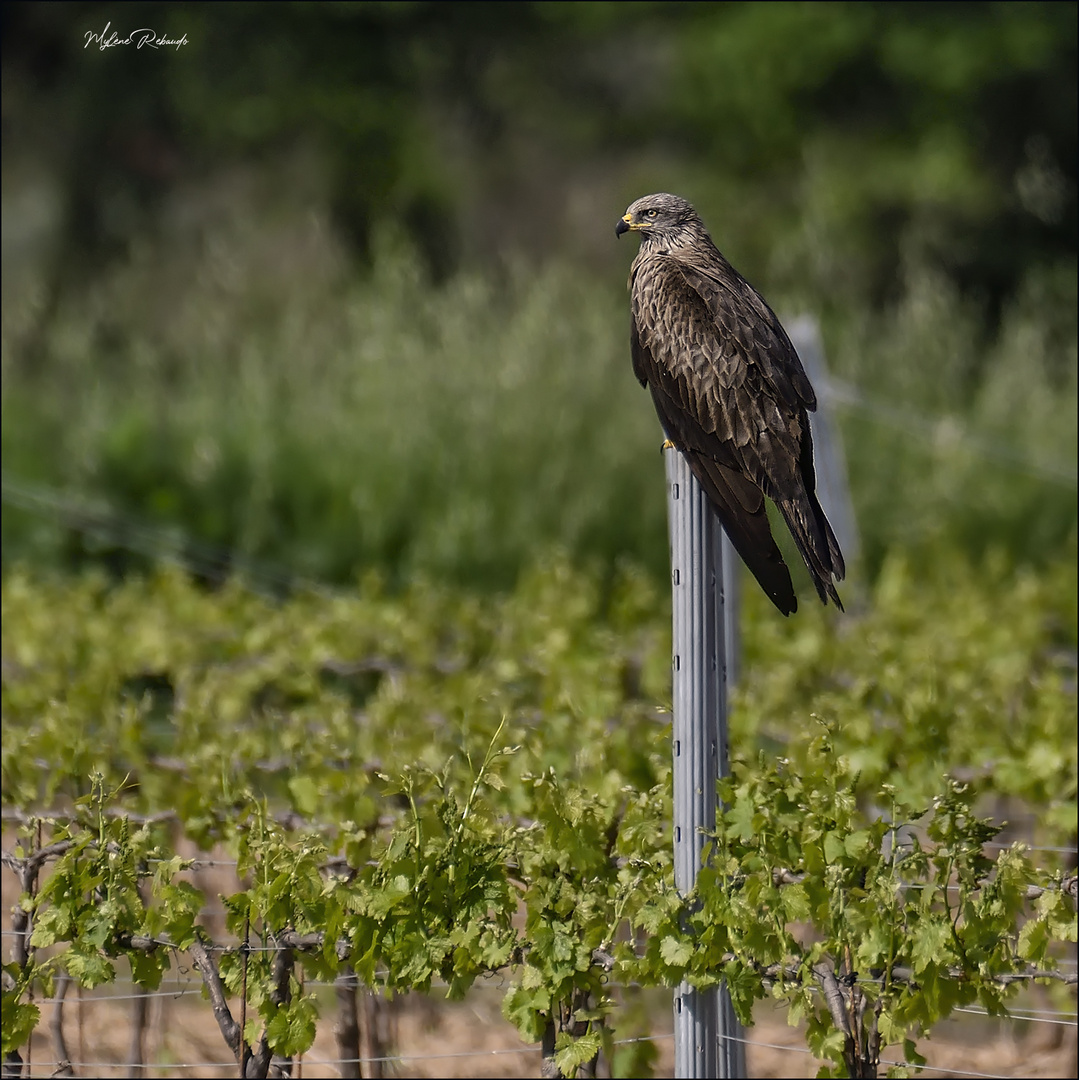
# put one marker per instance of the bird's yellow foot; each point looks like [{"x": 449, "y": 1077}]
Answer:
[{"x": 667, "y": 445}]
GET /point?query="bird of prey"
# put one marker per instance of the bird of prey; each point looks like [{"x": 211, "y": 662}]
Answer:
[{"x": 730, "y": 392}]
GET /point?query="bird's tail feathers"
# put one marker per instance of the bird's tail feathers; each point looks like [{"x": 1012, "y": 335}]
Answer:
[
  {"x": 748, "y": 529},
  {"x": 816, "y": 542}
]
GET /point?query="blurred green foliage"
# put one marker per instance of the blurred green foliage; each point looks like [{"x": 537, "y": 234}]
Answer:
[
  {"x": 455, "y": 430},
  {"x": 824, "y": 136},
  {"x": 196, "y": 349},
  {"x": 311, "y": 699},
  {"x": 447, "y": 430},
  {"x": 870, "y": 132}
]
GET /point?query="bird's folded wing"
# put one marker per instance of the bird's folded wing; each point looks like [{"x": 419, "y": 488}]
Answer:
[
  {"x": 720, "y": 400},
  {"x": 742, "y": 315}
]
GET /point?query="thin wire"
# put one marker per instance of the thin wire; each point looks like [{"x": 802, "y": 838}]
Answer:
[
  {"x": 905, "y": 419},
  {"x": 1030, "y": 847},
  {"x": 1031, "y": 1017},
  {"x": 946, "y": 1069},
  {"x": 348, "y": 1061},
  {"x": 489, "y": 984},
  {"x": 1034, "y": 1016},
  {"x": 201, "y": 864},
  {"x": 902, "y": 1064},
  {"x": 767, "y": 1045},
  {"x": 389, "y": 1058},
  {"x": 135, "y": 534},
  {"x": 195, "y": 989},
  {"x": 132, "y": 1065}
]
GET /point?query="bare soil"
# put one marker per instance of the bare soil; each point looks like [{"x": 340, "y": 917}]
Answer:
[{"x": 471, "y": 1039}]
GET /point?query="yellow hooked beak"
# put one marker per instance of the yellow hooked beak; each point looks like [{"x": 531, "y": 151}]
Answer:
[{"x": 627, "y": 224}]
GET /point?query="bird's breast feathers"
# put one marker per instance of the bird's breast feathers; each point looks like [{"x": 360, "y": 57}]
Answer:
[
  {"x": 705, "y": 322},
  {"x": 682, "y": 333}
]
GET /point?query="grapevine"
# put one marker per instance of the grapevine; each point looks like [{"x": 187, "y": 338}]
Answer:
[{"x": 422, "y": 789}]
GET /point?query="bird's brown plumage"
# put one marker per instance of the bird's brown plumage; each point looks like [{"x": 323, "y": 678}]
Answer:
[{"x": 730, "y": 392}]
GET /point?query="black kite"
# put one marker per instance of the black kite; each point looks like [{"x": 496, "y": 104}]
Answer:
[{"x": 730, "y": 392}]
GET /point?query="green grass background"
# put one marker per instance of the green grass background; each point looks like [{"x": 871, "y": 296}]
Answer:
[{"x": 283, "y": 413}]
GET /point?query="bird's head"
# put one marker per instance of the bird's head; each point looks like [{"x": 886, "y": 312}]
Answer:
[{"x": 660, "y": 218}]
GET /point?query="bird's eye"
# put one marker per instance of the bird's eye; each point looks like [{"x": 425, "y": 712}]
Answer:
[{"x": 651, "y": 213}]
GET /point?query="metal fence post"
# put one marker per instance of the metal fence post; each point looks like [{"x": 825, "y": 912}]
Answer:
[
  {"x": 830, "y": 465},
  {"x": 707, "y": 1036},
  {"x": 731, "y": 565}
]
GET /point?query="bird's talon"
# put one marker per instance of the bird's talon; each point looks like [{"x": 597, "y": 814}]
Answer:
[{"x": 667, "y": 445}]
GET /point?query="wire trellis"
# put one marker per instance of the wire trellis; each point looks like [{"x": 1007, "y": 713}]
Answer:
[
  {"x": 404, "y": 1059},
  {"x": 1034, "y": 1016}
]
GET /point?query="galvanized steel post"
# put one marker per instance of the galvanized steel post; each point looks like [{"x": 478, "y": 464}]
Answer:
[
  {"x": 828, "y": 459},
  {"x": 707, "y": 1037}
]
